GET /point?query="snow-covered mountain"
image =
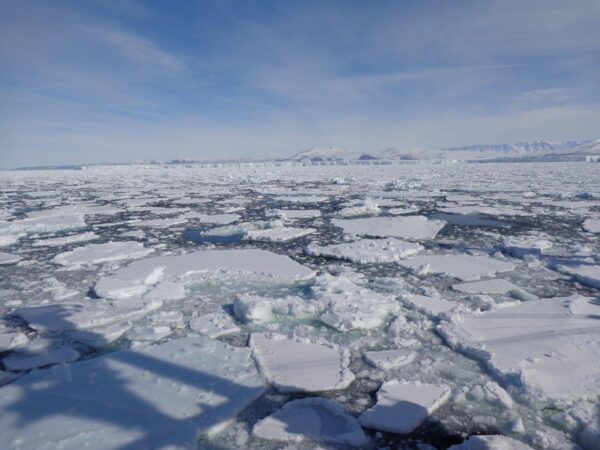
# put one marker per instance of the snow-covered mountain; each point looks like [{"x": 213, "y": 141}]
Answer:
[
  {"x": 315, "y": 154},
  {"x": 521, "y": 148}
]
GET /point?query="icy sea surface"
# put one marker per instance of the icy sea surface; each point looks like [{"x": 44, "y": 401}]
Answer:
[{"x": 414, "y": 306}]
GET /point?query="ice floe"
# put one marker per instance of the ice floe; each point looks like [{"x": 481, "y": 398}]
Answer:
[
  {"x": 245, "y": 265},
  {"x": 463, "y": 267},
  {"x": 404, "y": 227},
  {"x": 160, "y": 396},
  {"x": 592, "y": 225},
  {"x": 493, "y": 286},
  {"x": 283, "y": 234},
  {"x": 367, "y": 251},
  {"x": 293, "y": 214},
  {"x": 315, "y": 419},
  {"x": 9, "y": 258},
  {"x": 520, "y": 246},
  {"x": 294, "y": 366},
  {"x": 585, "y": 274},
  {"x": 389, "y": 359},
  {"x": 102, "y": 253},
  {"x": 65, "y": 240},
  {"x": 491, "y": 442},
  {"x": 401, "y": 407},
  {"x": 214, "y": 325},
  {"x": 431, "y": 306}
]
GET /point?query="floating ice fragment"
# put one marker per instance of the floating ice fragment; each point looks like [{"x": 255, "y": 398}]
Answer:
[
  {"x": 102, "y": 253},
  {"x": 431, "y": 306},
  {"x": 8, "y": 258},
  {"x": 463, "y": 267},
  {"x": 588, "y": 275},
  {"x": 23, "y": 361},
  {"x": 367, "y": 251},
  {"x": 64, "y": 240},
  {"x": 519, "y": 246},
  {"x": 283, "y": 234},
  {"x": 293, "y": 366},
  {"x": 494, "y": 286},
  {"x": 407, "y": 227},
  {"x": 315, "y": 419},
  {"x": 214, "y": 325},
  {"x": 292, "y": 214},
  {"x": 390, "y": 359},
  {"x": 492, "y": 442},
  {"x": 592, "y": 225},
  {"x": 402, "y": 407}
]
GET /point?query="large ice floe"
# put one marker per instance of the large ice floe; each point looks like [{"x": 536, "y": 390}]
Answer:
[
  {"x": 367, "y": 251},
  {"x": 404, "y": 227},
  {"x": 546, "y": 350},
  {"x": 161, "y": 396},
  {"x": 101, "y": 253},
  {"x": 463, "y": 267},
  {"x": 247, "y": 265}
]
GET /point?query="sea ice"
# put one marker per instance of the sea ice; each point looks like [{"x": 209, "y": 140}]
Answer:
[
  {"x": 102, "y": 253},
  {"x": 519, "y": 246},
  {"x": 463, "y": 267},
  {"x": 402, "y": 407},
  {"x": 8, "y": 258},
  {"x": 65, "y": 240},
  {"x": 367, "y": 251},
  {"x": 404, "y": 227},
  {"x": 244, "y": 265},
  {"x": 493, "y": 286},
  {"x": 316, "y": 419},
  {"x": 294, "y": 366},
  {"x": 214, "y": 325},
  {"x": 293, "y": 214},
  {"x": 18, "y": 361},
  {"x": 431, "y": 306},
  {"x": 551, "y": 346},
  {"x": 216, "y": 219},
  {"x": 364, "y": 208},
  {"x": 282, "y": 234},
  {"x": 8, "y": 341},
  {"x": 592, "y": 225},
  {"x": 159, "y": 396},
  {"x": 491, "y": 442},
  {"x": 390, "y": 359},
  {"x": 588, "y": 275}
]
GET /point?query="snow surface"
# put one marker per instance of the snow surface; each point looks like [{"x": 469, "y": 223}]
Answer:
[{"x": 155, "y": 397}]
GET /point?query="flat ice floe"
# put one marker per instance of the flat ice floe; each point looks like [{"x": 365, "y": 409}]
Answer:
[
  {"x": 403, "y": 227},
  {"x": 431, "y": 306},
  {"x": 243, "y": 266},
  {"x": 217, "y": 219},
  {"x": 367, "y": 251},
  {"x": 282, "y": 234},
  {"x": 294, "y": 366},
  {"x": 588, "y": 275},
  {"x": 155, "y": 397},
  {"x": 592, "y": 225},
  {"x": 10, "y": 232},
  {"x": 102, "y": 253},
  {"x": 316, "y": 419},
  {"x": 293, "y": 214},
  {"x": 214, "y": 325},
  {"x": 551, "y": 346},
  {"x": 520, "y": 246},
  {"x": 401, "y": 407},
  {"x": 493, "y": 442},
  {"x": 493, "y": 286},
  {"x": 390, "y": 359},
  {"x": 463, "y": 267},
  {"x": 8, "y": 258},
  {"x": 64, "y": 240}
]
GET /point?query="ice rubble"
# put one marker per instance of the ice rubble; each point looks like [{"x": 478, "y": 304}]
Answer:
[
  {"x": 8, "y": 258},
  {"x": 549, "y": 349},
  {"x": 290, "y": 365},
  {"x": 461, "y": 266},
  {"x": 367, "y": 251},
  {"x": 102, "y": 253},
  {"x": 245, "y": 265},
  {"x": 404, "y": 227},
  {"x": 491, "y": 442},
  {"x": 315, "y": 419},
  {"x": 367, "y": 207},
  {"x": 401, "y": 407},
  {"x": 214, "y": 325},
  {"x": 12, "y": 231},
  {"x": 154, "y": 397},
  {"x": 520, "y": 246}
]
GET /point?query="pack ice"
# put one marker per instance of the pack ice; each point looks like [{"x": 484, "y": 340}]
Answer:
[{"x": 405, "y": 227}]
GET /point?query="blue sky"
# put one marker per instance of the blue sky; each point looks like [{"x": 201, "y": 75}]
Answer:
[{"x": 92, "y": 81}]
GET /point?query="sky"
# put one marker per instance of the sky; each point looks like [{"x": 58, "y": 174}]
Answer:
[{"x": 105, "y": 81}]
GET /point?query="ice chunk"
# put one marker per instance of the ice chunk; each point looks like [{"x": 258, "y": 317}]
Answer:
[
  {"x": 243, "y": 265},
  {"x": 520, "y": 246},
  {"x": 492, "y": 442},
  {"x": 101, "y": 253},
  {"x": 65, "y": 240},
  {"x": 463, "y": 267},
  {"x": 402, "y": 407},
  {"x": 432, "y": 306},
  {"x": 494, "y": 286},
  {"x": 8, "y": 258},
  {"x": 24, "y": 361},
  {"x": 293, "y": 366},
  {"x": 365, "y": 208},
  {"x": 160, "y": 396},
  {"x": 404, "y": 227},
  {"x": 8, "y": 341},
  {"x": 315, "y": 419},
  {"x": 214, "y": 324},
  {"x": 389, "y": 359},
  {"x": 257, "y": 308},
  {"x": 217, "y": 219},
  {"x": 282, "y": 234},
  {"x": 551, "y": 346},
  {"x": 292, "y": 214},
  {"x": 588, "y": 275},
  {"x": 592, "y": 225},
  {"x": 367, "y": 251}
]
